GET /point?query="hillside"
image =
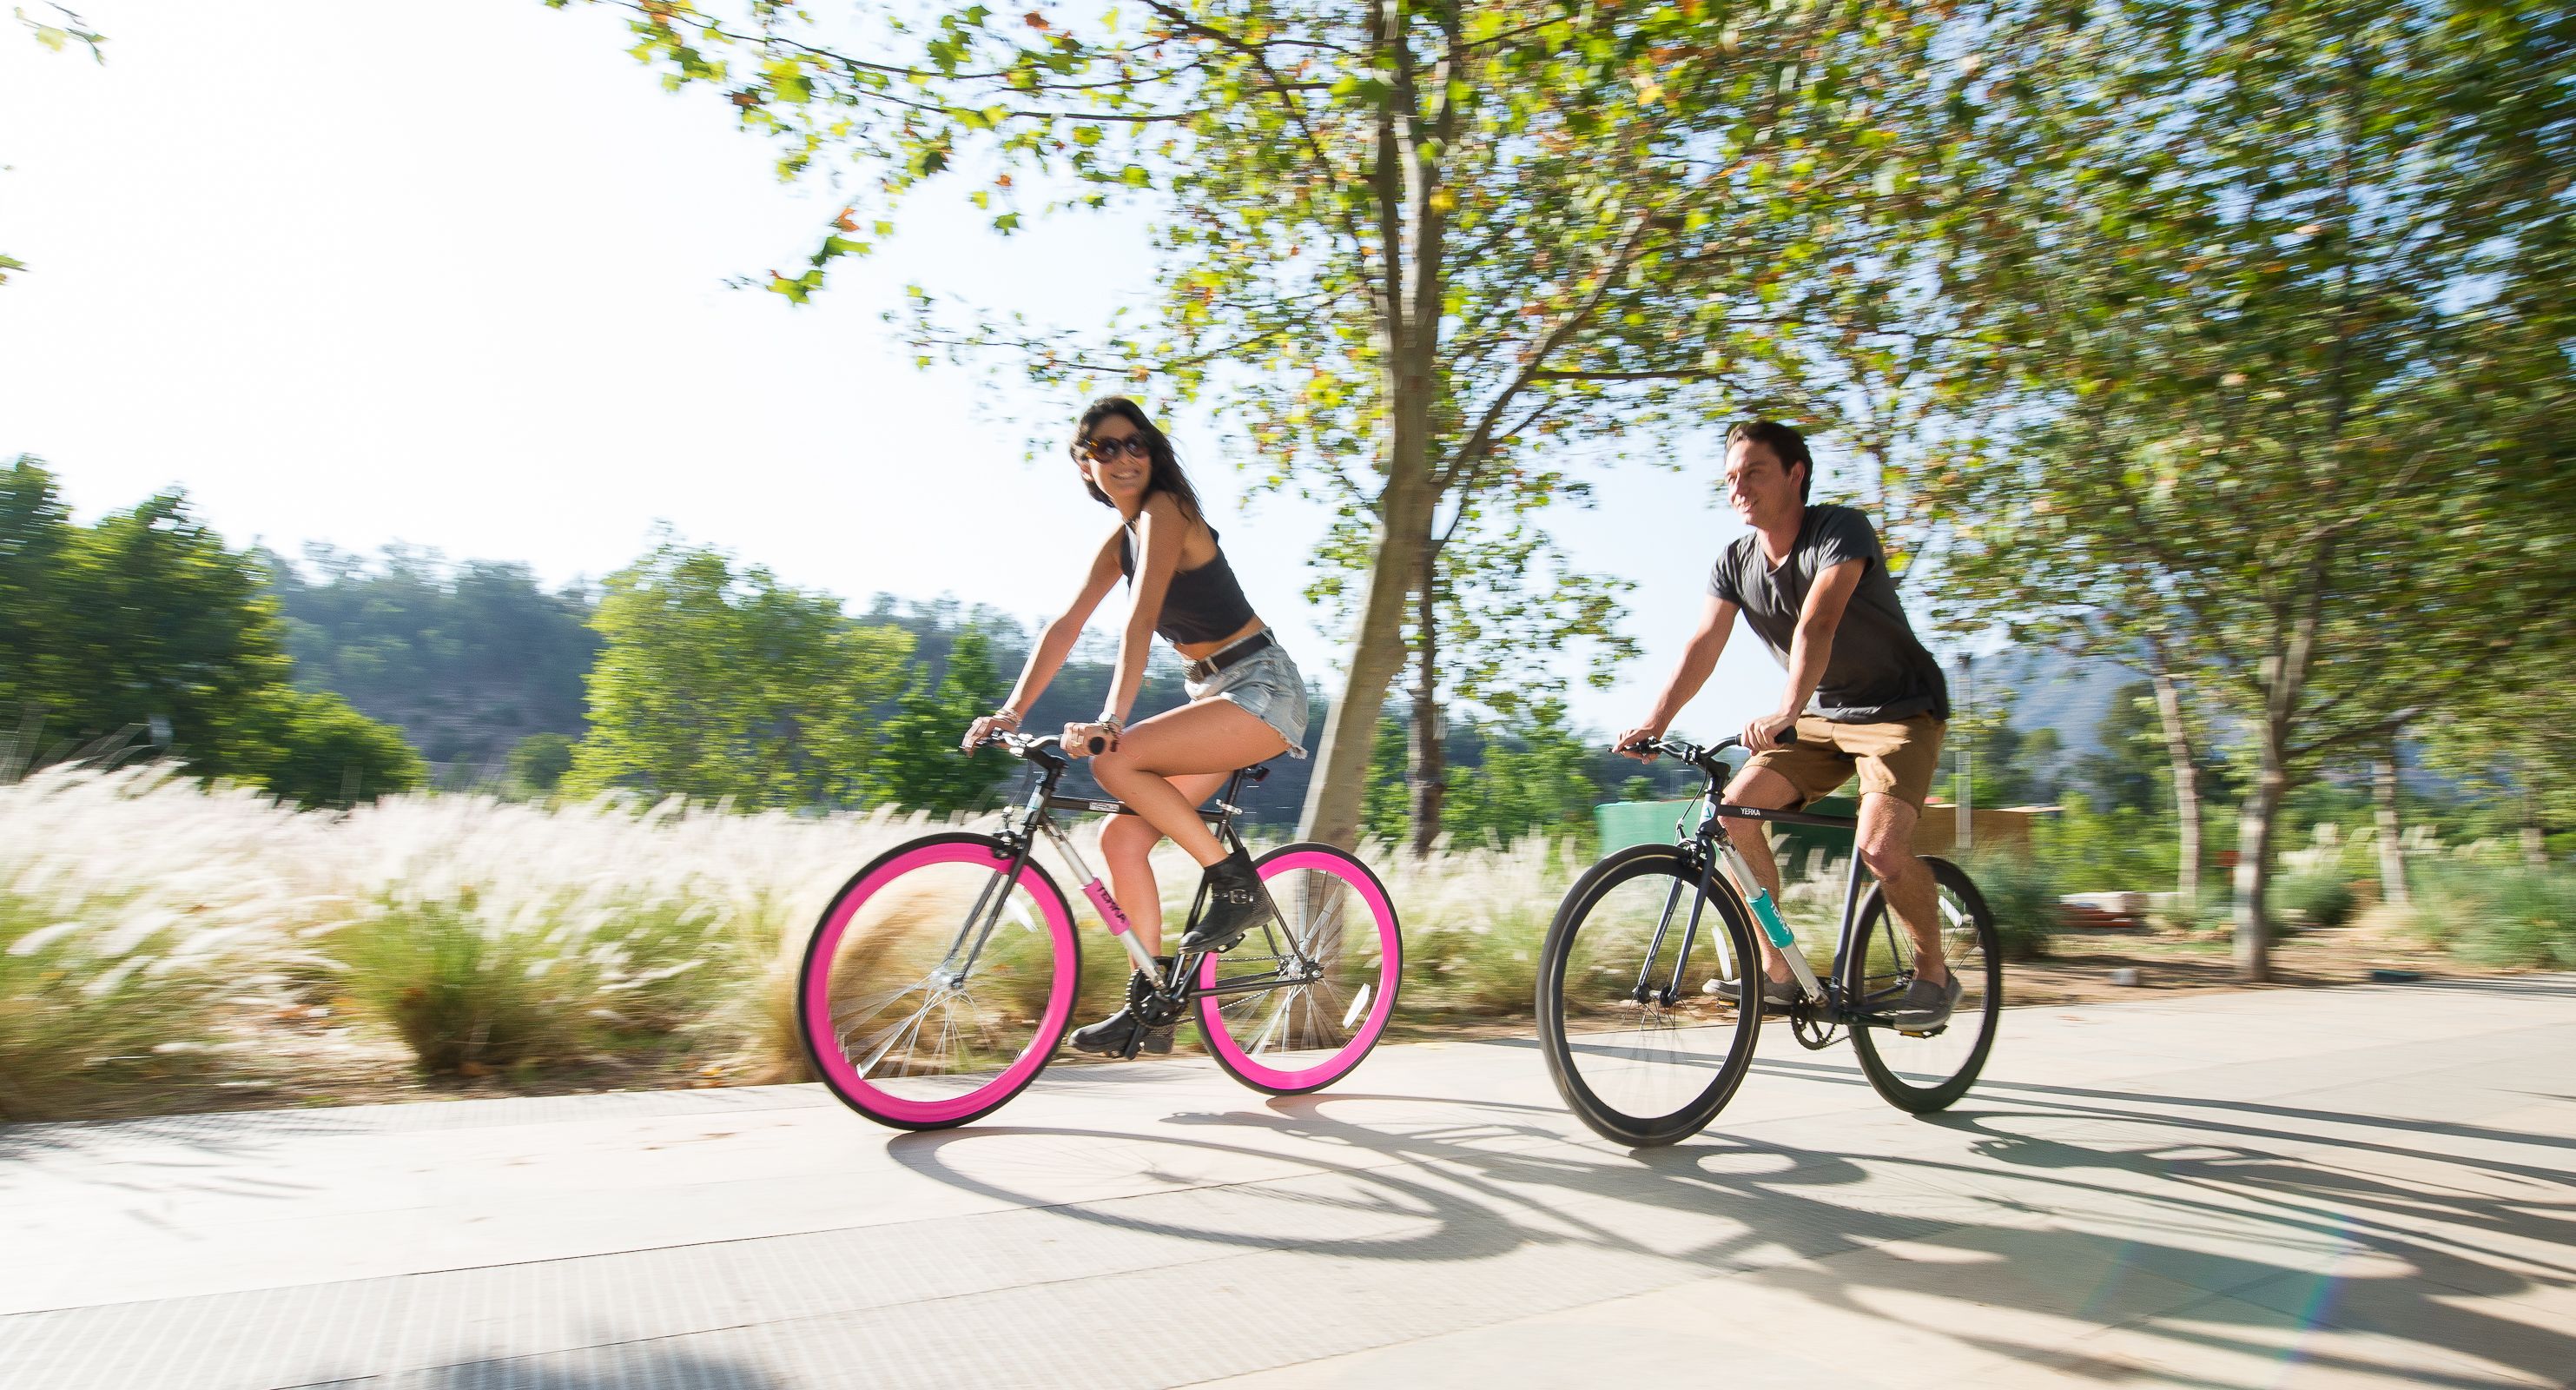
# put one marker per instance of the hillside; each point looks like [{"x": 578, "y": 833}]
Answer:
[
  {"x": 2054, "y": 691},
  {"x": 465, "y": 659}
]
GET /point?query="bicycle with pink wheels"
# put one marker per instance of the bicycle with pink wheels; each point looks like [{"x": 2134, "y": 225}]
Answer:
[{"x": 942, "y": 977}]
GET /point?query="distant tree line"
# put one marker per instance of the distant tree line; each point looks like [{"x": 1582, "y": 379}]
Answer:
[
  {"x": 145, "y": 634},
  {"x": 687, "y": 672}
]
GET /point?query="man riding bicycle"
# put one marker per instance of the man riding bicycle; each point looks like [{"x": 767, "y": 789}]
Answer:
[{"x": 1863, "y": 693}]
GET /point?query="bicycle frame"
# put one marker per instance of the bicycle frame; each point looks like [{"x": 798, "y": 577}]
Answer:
[
  {"x": 1837, "y": 1003},
  {"x": 1034, "y": 816}
]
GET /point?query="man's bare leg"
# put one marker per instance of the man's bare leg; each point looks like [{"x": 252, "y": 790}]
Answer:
[
  {"x": 1887, "y": 847},
  {"x": 1765, "y": 790}
]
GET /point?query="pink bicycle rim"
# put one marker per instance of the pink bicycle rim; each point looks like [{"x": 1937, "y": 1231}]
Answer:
[
  {"x": 1381, "y": 913},
  {"x": 818, "y": 990}
]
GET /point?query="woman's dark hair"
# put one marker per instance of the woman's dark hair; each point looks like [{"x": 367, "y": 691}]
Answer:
[
  {"x": 1166, "y": 474},
  {"x": 1785, "y": 444}
]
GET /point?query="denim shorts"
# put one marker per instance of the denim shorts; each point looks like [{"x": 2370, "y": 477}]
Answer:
[{"x": 1267, "y": 686}]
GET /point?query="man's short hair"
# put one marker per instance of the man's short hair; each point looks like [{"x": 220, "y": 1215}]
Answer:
[{"x": 1785, "y": 444}]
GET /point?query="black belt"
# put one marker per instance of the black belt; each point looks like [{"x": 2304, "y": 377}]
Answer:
[{"x": 1205, "y": 668}]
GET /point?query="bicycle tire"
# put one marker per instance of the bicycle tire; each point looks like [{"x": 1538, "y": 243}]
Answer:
[
  {"x": 1889, "y": 1057},
  {"x": 1564, "y": 1018},
  {"x": 1338, "y": 1020},
  {"x": 817, "y": 1026}
]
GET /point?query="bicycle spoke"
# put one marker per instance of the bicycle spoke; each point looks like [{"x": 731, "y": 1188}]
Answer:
[
  {"x": 1929, "y": 1066},
  {"x": 908, "y": 1028}
]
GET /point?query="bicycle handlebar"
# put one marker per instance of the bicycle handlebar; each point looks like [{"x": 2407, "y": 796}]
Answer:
[
  {"x": 1040, "y": 747},
  {"x": 1703, "y": 758},
  {"x": 1022, "y": 745}
]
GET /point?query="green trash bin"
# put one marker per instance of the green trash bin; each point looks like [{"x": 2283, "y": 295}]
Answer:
[{"x": 1625, "y": 823}]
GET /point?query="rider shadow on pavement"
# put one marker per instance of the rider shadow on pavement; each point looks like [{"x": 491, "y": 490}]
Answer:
[
  {"x": 161, "y": 1157},
  {"x": 2200, "y": 1236}
]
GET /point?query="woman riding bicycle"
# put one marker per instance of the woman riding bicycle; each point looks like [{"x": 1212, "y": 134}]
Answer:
[{"x": 1247, "y": 701}]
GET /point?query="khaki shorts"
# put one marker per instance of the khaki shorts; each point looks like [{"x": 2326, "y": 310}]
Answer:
[{"x": 1895, "y": 760}]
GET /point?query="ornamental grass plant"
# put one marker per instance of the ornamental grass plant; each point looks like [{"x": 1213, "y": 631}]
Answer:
[
  {"x": 1474, "y": 922},
  {"x": 154, "y": 930},
  {"x": 128, "y": 952},
  {"x": 2500, "y": 914},
  {"x": 146, "y": 920}
]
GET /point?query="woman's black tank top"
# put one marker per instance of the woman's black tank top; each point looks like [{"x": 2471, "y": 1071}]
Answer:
[{"x": 1201, "y": 605}]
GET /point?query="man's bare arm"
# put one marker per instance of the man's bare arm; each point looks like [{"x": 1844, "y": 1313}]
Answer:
[{"x": 1707, "y": 643}]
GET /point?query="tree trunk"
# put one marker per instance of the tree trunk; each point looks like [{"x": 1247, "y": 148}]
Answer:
[
  {"x": 2392, "y": 856},
  {"x": 1428, "y": 763},
  {"x": 1406, "y": 280},
  {"x": 1333, "y": 800},
  {"x": 2254, "y": 840},
  {"x": 2535, "y": 836},
  {"x": 2186, "y": 780}
]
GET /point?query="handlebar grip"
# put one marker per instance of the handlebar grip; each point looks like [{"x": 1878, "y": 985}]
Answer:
[{"x": 1099, "y": 745}]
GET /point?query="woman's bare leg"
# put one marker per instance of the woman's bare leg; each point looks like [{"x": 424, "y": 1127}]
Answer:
[
  {"x": 1209, "y": 736},
  {"x": 1127, "y": 844}
]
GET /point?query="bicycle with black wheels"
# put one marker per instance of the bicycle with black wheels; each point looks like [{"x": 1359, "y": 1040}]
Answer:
[
  {"x": 1650, "y": 983},
  {"x": 942, "y": 977}
]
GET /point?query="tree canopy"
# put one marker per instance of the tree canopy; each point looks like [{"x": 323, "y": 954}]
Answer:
[
  {"x": 2281, "y": 385},
  {"x": 1423, "y": 255},
  {"x": 716, "y": 682}
]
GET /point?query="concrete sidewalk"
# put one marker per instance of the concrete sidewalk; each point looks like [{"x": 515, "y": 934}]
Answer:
[{"x": 2366, "y": 1186}]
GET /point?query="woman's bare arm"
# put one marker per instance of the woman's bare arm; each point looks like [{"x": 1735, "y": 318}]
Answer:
[
  {"x": 1054, "y": 644},
  {"x": 1159, "y": 532}
]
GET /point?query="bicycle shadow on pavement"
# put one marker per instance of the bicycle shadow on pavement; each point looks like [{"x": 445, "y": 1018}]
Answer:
[
  {"x": 2231, "y": 1239},
  {"x": 599, "y": 1368}
]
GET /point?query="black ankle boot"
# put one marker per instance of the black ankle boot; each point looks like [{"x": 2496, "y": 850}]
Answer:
[
  {"x": 1235, "y": 904},
  {"x": 1123, "y": 1034}
]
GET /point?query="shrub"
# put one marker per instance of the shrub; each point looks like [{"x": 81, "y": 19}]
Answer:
[
  {"x": 2501, "y": 916},
  {"x": 2022, "y": 892},
  {"x": 539, "y": 761},
  {"x": 2320, "y": 899},
  {"x": 314, "y": 750},
  {"x": 2091, "y": 851}
]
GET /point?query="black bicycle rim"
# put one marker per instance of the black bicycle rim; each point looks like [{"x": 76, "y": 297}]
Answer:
[{"x": 1641, "y": 1073}]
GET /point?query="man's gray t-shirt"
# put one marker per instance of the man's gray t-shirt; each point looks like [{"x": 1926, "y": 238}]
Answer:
[{"x": 1879, "y": 672}]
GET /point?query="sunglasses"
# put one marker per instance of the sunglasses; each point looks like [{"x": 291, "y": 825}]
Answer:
[{"x": 1133, "y": 446}]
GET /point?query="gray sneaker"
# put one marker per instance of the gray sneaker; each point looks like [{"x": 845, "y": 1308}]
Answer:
[
  {"x": 1776, "y": 994},
  {"x": 1925, "y": 1004}
]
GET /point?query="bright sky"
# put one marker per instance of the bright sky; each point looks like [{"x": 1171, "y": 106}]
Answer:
[{"x": 453, "y": 276}]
